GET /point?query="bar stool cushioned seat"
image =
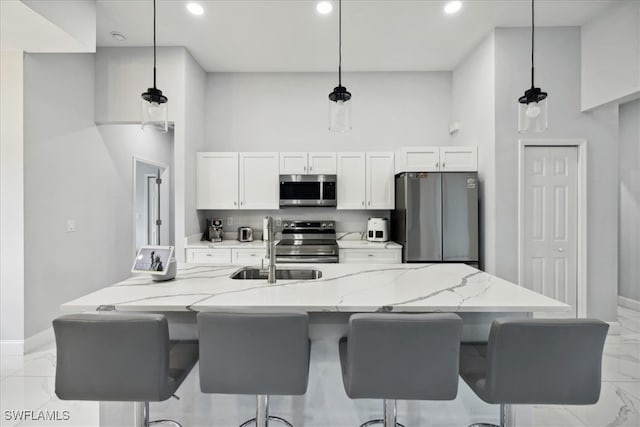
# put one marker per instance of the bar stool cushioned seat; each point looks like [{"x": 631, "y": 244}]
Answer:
[
  {"x": 537, "y": 361},
  {"x": 114, "y": 356},
  {"x": 401, "y": 356}
]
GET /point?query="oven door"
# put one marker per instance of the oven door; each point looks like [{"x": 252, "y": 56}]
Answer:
[{"x": 307, "y": 190}]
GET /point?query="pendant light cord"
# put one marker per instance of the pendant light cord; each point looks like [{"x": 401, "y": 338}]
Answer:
[
  {"x": 339, "y": 42},
  {"x": 154, "y": 44},
  {"x": 533, "y": 29}
]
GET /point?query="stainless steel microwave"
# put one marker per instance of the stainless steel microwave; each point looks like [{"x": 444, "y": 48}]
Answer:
[{"x": 307, "y": 190}]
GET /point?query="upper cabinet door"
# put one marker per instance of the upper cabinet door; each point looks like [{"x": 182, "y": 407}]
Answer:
[
  {"x": 459, "y": 159},
  {"x": 380, "y": 181},
  {"x": 418, "y": 159},
  {"x": 351, "y": 181},
  {"x": 293, "y": 163},
  {"x": 322, "y": 164},
  {"x": 259, "y": 181},
  {"x": 217, "y": 181}
]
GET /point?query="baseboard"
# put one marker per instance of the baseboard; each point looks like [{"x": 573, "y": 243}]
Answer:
[
  {"x": 38, "y": 340},
  {"x": 629, "y": 303},
  {"x": 12, "y": 347},
  {"x": 614, "y": 328}
]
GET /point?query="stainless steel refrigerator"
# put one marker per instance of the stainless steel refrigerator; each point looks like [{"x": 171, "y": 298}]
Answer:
[{"x": 436, "y": 217}]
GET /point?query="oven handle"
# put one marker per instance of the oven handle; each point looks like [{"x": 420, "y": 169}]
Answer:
[{"x": 306, "y": 260}]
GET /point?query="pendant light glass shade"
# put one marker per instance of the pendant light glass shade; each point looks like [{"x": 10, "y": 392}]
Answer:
[
  {"x": 154, "y": 109},
  {"x": 340, "y": 110},
  {"x": 533, "y": 105},
  {"x": 340, "y": 98}
]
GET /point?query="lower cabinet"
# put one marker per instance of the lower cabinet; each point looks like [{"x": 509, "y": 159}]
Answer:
[
  {"x": 371, "y": 256},
  {"x": 209, "y": 256},
  {"x": 247, "y": 256}
]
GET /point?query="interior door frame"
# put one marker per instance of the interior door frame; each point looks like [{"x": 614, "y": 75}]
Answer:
[
  {"x": 164, "y": 175},
  {"x": 581, "y": 145}
]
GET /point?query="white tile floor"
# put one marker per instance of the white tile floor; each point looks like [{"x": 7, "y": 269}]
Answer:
[{"x": 27, "y": 383}]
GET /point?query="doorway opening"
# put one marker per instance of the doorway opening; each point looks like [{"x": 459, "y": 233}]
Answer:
[{"x": 150, "y": 203}]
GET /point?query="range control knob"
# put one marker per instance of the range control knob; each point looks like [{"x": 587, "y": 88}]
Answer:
[
  {"x": 324, "y": 225},
  {"x": 285, "y": 225}
]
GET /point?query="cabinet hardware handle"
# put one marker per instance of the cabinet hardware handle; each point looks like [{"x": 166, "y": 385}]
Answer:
[
  {"x": 369, "y": 254},
  {"x": 209, "y": 254},
  {"x": 443, "y": 164},
  {"x": 241, "y": 203},
  {"x": 304, "y": 168},
  {"x": 436, "y": 164},
  {"x": 369, "y": 202},
  {"x": 363, "y": 203},
  {"x": 235, "y": 203},
  {"x": 310, "y": 168}
]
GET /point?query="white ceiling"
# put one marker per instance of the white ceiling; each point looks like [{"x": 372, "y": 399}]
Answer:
[{"x": 289, "y": 35}]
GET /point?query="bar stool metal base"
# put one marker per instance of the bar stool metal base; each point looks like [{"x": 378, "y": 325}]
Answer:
[
  {"x": 262, "y": 414},
  {"x": 507, "y": 417},
  {"x": 390, "y": 416},
  {"x": 147, "y": 423}
]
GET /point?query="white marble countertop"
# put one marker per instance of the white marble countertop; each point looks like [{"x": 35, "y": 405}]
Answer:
[
  {"x": 342, "y": 288},
  {"x": 226, "y": 244},
  {"x": 364, "y": 244}
]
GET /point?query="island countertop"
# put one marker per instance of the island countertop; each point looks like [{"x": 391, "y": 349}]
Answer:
[{"x": 342, "y": 288}]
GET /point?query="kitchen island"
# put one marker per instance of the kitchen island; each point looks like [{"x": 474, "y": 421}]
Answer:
[{"x": 476, "y": 296}]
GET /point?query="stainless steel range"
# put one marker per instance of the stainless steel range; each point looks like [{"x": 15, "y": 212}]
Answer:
[{"x": 307, "y": 241}]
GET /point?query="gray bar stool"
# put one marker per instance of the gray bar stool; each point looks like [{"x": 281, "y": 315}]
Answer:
[
  {"x": 536, "y": 361},
  {"x": 401, "y": 356},
  {"x": 256, "y": 353},
  {"x": 127, "y": 357}
]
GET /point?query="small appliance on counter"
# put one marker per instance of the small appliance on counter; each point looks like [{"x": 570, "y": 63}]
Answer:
[
  {"x": 157, "y": 261},
  {"x": 213, "y": 231},
  {"x": 378, "y": 230},
  {"x": 245, "y": 234}
]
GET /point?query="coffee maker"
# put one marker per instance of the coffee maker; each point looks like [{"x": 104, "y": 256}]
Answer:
[{"x": 214, "y": 227}]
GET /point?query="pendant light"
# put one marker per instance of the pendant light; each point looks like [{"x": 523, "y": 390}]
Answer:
[
  {"x": 340, "y": 98},
  {"x": 155, "y": 113},
  {"x": 532, "y": 107}
]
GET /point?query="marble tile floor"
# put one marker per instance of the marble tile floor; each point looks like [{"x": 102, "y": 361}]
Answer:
[{"x": 27, "y": 384}]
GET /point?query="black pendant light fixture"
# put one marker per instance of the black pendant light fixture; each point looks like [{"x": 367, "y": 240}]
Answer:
[
  {"x": 154, "y": 104},
  {"x": 340, "y": 98},
  {"x": 532, "y": 107}
]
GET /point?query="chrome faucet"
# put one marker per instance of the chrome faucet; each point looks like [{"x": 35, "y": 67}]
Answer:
[{"x": 271, "y": 251}]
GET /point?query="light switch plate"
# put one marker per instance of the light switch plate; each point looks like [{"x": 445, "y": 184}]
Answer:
[
  {"x": 71, "y": 226},
  {"x": 229, "y": 220}
]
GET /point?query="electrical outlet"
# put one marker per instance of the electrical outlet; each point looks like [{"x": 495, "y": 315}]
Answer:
[
  {"x": 229, "y": 220},
  {"x": 278, "y": 222},
  {"x": 71, "y": 226}
]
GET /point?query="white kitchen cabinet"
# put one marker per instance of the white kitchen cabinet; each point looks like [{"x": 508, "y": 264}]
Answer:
[
  {"x": 247, "y": 256},
  {"x": 293, "y": 163},
  {"x": 459, "y": 159},
  {"x": 209, "y": 256},
  {"x": 303, "y": 163},
  {"x": 371, "y": 256},
  {"x": 217, "y": 180},
  {"x": 351, "y": 177},
  {"x": 380, "y": 181},
  {"x": 259, "y": 181},
  {"x": 437, "y": 159},
  {"x": 322, "y": 163},
  {"x": 418, "y": 159}
]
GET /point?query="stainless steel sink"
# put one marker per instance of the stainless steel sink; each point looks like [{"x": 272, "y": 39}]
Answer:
[{"x": 253, "y": 273}]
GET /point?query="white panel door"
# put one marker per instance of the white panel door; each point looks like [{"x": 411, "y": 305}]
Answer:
[
  {"x": 380, "y": 181},
  {"x": 351, "y": 181},
  {"x": 293, "y": 163},
  {"x": 322, "y": 163},
  {"x": 418, "y": 159},
  {"x": 551, "y": 222},
  {"x": 217, "y": 180},
  {"x": 259, "y": 181},
  {"x": 459, "y": 159}
]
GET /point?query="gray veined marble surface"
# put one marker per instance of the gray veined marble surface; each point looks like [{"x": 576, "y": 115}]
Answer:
[{"x": 342, "y": 288}]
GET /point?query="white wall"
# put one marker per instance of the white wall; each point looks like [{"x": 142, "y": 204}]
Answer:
[
  {"x": 473, "y": 106},
  {"x": 557, "y": 72},
  {"x": 75, "y": 170},
  {"x": 289, "y": 111},
  {"x": 11, "y": 203},
  {"x": 611, "y": 55},
  {"x": 629, "y": 232}
]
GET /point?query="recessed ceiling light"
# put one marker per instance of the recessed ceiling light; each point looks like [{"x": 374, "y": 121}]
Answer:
[
  {"x": 195, "y": 8},
  {"x": 452, "y": 7},
  {"x": 324, "y": 7},
  {"x": 118, "y": 36}
]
